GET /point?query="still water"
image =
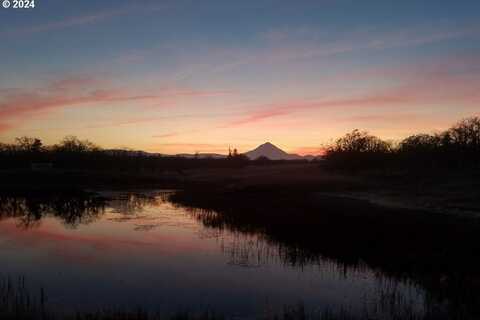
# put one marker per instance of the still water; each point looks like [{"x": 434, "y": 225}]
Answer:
[{"x": 140, "y": 250}]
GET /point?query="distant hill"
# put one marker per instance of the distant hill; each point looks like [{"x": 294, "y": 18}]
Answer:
[
  {"x": 267, "y": 150},
  {"x": 271, "y": 152},
  {"x": 131, "y": 153},
  {"x": 135, "y": 153},
  {"x": 202, "y": 155}
]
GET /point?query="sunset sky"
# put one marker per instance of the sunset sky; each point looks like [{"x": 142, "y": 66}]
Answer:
[{"x": 186, "y": 76}]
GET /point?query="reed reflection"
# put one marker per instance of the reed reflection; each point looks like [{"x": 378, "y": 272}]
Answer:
[{"x": 133, "y": 202}]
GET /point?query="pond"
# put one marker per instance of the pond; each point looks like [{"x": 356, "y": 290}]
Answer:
[{"x": 139, "y": 250}]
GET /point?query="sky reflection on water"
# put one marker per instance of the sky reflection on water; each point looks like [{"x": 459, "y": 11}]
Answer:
[{"x": 147, "y": 252}]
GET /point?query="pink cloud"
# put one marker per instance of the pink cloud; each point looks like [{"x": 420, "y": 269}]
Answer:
[
  {"x": 190, "y": 147},
  {"x": 174, "y": 134},
  {"x": 286, "y": 108},
  {"x": 165, "y": 135},
  {"x": 123, "y": 123},
  {"x": 449, "y": 81},
  {"x": 179, "y": 92},
  {"x": 135, "y": 121},
  {"x": 381, "y": 117},
  {"x": 18, "y": 105},
  {"x": 5, "y": 126},
  {"x": 259, "y": 116}
]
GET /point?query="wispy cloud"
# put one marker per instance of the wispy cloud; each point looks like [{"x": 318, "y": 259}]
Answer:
[
  {"x": 18, "y": 105},
  {"x": 73, "y": 82},
  {"x": 195, "y": 93},
  {"x": 285, "y": 45},
  {"x": 166, "y": 135},
  {"x": 65, "y": 23},
  {"x": 308, "y": 42},
  {"x": 381, "y": 117},
  {"x": 454, "y": 82},
  {"x": 5, "y": 126},
  {"x": 170, "y": 117},
  {"x": 259, "y": 116},
  {"x": 286, "y": 108},
  {"x": 190, "y": 147},
  {"x": 80, "y": 20}
]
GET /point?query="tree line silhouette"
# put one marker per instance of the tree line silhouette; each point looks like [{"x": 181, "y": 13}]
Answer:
[
  {"x": 455, "y": 148},
  {"x": 76, "y": 154}
]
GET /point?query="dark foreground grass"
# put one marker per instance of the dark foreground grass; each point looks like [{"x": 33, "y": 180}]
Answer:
[{"x": 18, "y": 303}]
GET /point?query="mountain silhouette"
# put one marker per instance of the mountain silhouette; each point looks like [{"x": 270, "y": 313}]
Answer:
[{"x": 271, "y": 152}]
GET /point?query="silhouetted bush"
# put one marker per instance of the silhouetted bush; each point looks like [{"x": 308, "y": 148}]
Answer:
[
  {"x": 71, "y": 144},
  {"x": 455, "y": 148},
  {"x": 420, "y": 150},
  {"x": 358, "y": 150}
]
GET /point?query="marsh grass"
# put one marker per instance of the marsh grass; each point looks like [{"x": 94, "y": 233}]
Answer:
[
  {"x": 438, "y": 252},
  {"x": 17, "y": 302}
]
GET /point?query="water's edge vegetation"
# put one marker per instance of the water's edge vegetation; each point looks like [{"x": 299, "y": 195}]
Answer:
[{"x": 18, "y": 301}]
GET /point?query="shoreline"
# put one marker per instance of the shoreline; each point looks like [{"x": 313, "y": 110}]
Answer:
[{"x": 454, "y": 194}]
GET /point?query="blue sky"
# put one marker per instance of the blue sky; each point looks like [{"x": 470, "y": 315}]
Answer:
[{"x": 186, "y": 76}]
